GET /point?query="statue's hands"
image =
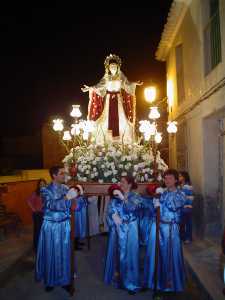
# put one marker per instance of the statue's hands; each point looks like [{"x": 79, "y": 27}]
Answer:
[
  {"x": 139, "y": 82},
  {"x": 85, "y": 89}
]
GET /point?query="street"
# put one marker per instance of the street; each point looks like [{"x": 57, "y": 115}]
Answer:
[{"x": 89, "y": 284}]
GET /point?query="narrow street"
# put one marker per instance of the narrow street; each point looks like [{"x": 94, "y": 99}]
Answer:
[{"x": 20, "y": 283}]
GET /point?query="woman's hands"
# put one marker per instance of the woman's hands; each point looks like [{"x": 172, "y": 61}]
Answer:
[
  {"x": 118, "y": 194},
  {"x": 72, "y": 194},
  {"x": 117, "y": 220}
]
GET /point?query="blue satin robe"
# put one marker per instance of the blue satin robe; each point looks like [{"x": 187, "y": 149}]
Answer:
[
  {"x": 186, "y": 232},
  {"x": 147, "y": 213},
  {"x": 54, "y": 250},
  {"x": 171, "y": 272},
  {"x": 81, "y": 217},
  {"x": 122, "y": 259}
]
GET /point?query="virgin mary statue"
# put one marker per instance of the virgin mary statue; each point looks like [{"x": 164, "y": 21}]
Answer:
[{"x": 112, "y": 104}]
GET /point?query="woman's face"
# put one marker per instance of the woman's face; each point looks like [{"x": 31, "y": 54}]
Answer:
[
  {"x": 125, "y": 186},
  {"x": 170, "y": 181},
  {"x": 42, "y": 184},
  {"x": 113, "y": 68},
  {"x": 181, "y": 179}
]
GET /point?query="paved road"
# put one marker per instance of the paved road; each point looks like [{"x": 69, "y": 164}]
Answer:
[{"x": 89, "y": 286}]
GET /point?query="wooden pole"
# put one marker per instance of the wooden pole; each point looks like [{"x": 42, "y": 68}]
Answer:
[
  {"x": 72, "y": 260},
  {"x": 156, "y": 253},
  {"x": 154, "y": 150},
  {"x": 88, "y": 228}
]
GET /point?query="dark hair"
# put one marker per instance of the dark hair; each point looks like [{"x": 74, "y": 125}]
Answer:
[
  {"x": 37, "y": 191},
  {"x": 71, "y": 183},
  {"x": 172, "y": 172},
  {"x": 130, "y": 180},
  {"x": 112, "y": 188},
  {"x": 54, "y": 171},
  {"x": 186, "y": 176}
]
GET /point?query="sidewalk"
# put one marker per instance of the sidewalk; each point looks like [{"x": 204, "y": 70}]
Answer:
[
  {"x": 13, "y": 249},
  {"x": 203, "y": 258}
]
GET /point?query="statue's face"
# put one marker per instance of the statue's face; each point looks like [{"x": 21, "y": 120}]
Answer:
[{"x": 113, "y": 68}]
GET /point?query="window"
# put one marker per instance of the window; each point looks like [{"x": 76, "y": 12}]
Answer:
[
  {"x": 180, "y": 74},
  {"x": 212, "y": 37}
]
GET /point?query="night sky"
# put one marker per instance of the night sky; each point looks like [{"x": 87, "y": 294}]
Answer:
[{"x": 46, "y": 55}]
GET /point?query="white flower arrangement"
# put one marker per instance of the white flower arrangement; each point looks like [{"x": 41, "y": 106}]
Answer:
[{"x": 107, "y": 164}]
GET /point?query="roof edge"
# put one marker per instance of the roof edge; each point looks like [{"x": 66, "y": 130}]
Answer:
[{"x": 175, "y": 17}]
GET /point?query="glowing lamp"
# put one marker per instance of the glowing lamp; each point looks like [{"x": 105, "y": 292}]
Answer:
[
  {"x": 150, "y": 94},
  {"x": 143, "y": 126},
  {"x": 158, "y": 137},
  {"x": 66, "y": 136},
  {"x": 172, "y": 127},
  {"x": 76, "y": 113},
  {"x": 154, "y": 113},
  {"x": 58, "y": 125}
]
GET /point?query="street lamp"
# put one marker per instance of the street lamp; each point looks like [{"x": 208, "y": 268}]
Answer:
[
  {"x": 150, "y": 94},
  {"x": 148, "y": 128}
]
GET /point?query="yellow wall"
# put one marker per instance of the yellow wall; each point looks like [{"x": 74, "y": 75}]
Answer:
[
  {"x": 26, "y": 175},
  {"x": 19, "y": 188}
]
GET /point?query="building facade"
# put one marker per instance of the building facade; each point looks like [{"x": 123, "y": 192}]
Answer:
[{"x": 193, "y": 47}]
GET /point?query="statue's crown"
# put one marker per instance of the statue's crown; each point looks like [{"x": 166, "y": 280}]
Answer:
[{"x": 112, "y": 57}]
